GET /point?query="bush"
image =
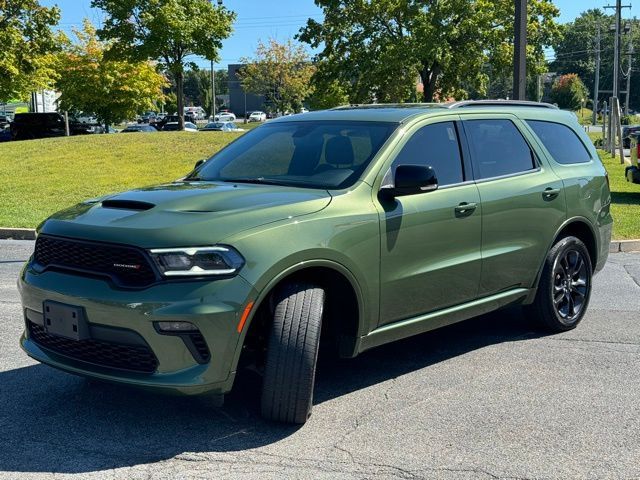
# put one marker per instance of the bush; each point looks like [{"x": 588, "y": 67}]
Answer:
[{"x": 568, "y": 92}]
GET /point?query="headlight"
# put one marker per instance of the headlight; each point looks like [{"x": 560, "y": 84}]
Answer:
[{"x": 197, "y": 261}]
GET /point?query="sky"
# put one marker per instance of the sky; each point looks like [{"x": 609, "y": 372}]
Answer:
[{"x": 281, "y": 19}]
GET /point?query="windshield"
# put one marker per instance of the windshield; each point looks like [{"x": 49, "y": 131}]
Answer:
[{"x": 313, "y": 154}]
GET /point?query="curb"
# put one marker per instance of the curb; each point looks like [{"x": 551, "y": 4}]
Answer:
[
  {"x": 17, "y": 234},
  {"x": 29, "y": 234},
  {"x": 624, "y": 246}
]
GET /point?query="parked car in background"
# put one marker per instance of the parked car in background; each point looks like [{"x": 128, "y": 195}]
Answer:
[
  {"x": 148, "y": 117},
  {"x": 627, "y": 131},
  {"x": 174, "y": 126},
  {"x": 197, "y": 113},
  {"x": 221, "y": 127},
  {"x": 5, "y": 133},
  {"x": 632, "y": 172},
  {"x": 224, "y": 117},
  {"x": 4, "y": 120},
  {"x": 139, "y": 128},
  {"x": 159, "y": 124},
  {"x": 26, "y": 126},
  {"x": 85, "y": 119},
  {"x": 257, "y": 116}
]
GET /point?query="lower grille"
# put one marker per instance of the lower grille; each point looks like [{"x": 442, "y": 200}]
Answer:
[{"x": 135, "y": 358}]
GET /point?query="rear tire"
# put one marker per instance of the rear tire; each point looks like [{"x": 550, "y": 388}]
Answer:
[
  {"x": 287, "y": 391},
  {"x": 564, "y": 288}
]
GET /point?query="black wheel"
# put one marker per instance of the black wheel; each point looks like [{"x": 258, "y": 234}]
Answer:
[
  {"x": 292, "y": 354},
  {"x": 564, "y": 288}
]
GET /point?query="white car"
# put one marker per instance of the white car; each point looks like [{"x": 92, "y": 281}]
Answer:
[
  {"x": 225, "y": 117},
  {"x": 257, "y": 117}
]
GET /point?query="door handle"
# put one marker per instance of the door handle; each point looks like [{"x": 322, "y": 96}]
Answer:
[
  {"x": 550, "y": 193},
  {"x": 465, "y": 208}
]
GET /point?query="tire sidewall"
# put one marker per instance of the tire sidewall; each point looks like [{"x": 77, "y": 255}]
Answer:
[{"x": 566, "y": 244}]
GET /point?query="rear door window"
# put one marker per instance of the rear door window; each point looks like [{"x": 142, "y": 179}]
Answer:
[
  {"x": 498, "y": 148},
  {"x": 562, "y": 143}
]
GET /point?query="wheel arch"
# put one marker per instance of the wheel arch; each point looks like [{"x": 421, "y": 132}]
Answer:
[
  {"x": 578, "y": 227},
  {"x": 344, "y": 295}
]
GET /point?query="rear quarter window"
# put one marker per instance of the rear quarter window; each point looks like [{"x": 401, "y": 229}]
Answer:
[{"x": 561, "y": 141}]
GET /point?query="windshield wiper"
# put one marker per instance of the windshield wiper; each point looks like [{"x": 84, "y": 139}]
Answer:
[{"x": 255, "y": 180}]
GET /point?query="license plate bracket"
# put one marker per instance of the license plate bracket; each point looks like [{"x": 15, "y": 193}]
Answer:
[{"x": 66, "y": 321}]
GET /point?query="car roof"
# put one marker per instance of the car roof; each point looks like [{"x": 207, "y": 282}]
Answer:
[{"x": 400, "y": 113}]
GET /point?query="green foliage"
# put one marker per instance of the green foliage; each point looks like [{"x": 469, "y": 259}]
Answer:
[
  {"x": 171, "y": 103},
  {"x": 27, "y": 47},
  {"x": 113, "y": 90},
  {"x": 165, "y": 30},
  {"x": 329, "y": 95},
  {"x": 381, "y": 47},
  {"x": 576, "y": 53},
  {"x": 569, "y": 92},
  {"x": 197, "y": 89},
  {"x": 281, "y": 72}
]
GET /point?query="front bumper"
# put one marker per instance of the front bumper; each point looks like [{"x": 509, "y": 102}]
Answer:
[{"x": 212, "y": 306}]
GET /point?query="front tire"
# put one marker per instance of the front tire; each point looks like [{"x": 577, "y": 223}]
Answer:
[
  {"x": 564, "y": 289},
  {"x": 292, "y": 354}
]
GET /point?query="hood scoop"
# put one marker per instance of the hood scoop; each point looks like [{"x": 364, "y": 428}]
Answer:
[{"x": 127, "y": 204}]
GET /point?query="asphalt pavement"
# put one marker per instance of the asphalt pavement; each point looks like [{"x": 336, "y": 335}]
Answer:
[{"x": 484, "y": 399}]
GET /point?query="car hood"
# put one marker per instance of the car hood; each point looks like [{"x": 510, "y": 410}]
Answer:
[{"x": 183, "y": 213}]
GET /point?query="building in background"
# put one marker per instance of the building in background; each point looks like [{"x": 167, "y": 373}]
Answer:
[{"x": 238, "y": 97}]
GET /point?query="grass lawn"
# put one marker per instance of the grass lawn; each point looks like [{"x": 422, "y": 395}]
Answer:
[
  {"x": 625, "y": 197},
  {"x": 40, "y": 177}
]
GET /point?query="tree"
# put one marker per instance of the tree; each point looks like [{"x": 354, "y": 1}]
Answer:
[
  {"x": 165, "y": 30},
  {"x": 569, "y": 92},
  {"x": 329, "y": 95},
  {"x": 113, "y": 90},
  {"x": 575, "y": 52},
  {"x": 281, "y": 72},
  {"x": 382, "y": 47},
  {"x": 197, "y": 87},
  {"x": 27, "y": 60}
]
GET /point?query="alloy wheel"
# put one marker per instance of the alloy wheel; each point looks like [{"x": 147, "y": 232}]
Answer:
[{"x": 571, "y": 285}]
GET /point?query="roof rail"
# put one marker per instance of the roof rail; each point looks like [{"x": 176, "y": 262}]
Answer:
[{"x": 500, "y": 103}]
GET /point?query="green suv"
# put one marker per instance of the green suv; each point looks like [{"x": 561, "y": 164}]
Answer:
[{"x": 341, "y": 230}]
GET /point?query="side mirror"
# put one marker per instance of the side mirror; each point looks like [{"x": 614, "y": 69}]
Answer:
[
  {"x": 198, "y": 163},
  {"x": 411, "y": 180}
]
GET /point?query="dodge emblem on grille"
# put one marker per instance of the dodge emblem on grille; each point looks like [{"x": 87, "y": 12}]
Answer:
[{"x": 124, "y": 265}]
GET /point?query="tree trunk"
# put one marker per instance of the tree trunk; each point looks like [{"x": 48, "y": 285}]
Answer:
[
  {"x": 180, "y": 95},
  {"x": 429, "y": 77}
]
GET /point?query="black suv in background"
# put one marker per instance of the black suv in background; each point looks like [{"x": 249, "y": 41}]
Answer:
[{"x": 27, "y": 126}]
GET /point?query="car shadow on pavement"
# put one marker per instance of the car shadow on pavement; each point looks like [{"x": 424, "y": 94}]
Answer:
[{"x": 54, "y": 422}]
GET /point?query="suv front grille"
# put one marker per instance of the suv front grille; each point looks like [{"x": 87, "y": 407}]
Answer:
[
  {"x": 126, "y": 266},
  {"x": 135, "y": 358}
]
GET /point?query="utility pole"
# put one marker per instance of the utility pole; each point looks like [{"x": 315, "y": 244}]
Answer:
[
  {"x": 630, "y": 57},
  {"x": 213, "y": 92},
  {"x": 213, "y": 81},
  {"x": 616, "y": 45},
  {"x": 596, "y": 85},
  {"x": 520, "y": 50}
]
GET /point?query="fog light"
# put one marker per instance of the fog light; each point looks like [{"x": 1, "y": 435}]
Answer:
[{"x": 177, "y": 327}]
